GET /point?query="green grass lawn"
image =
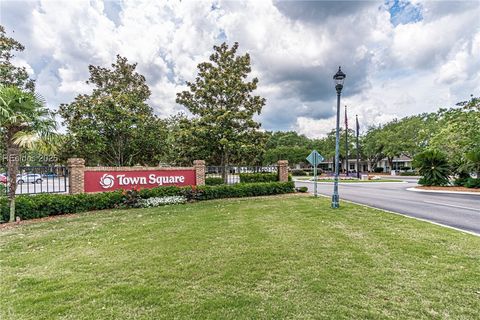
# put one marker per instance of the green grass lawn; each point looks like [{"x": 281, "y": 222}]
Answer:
[{"x": 267, "y": 258}]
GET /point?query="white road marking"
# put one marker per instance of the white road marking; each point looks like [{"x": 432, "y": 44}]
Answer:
[
  {"x": 411, "y": 217},
  {"x": 451, "y": 205}
]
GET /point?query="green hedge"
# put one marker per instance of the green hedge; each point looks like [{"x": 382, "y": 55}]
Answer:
[
  {"x": 299, "y": 172},
  {"x": 472, "y": 183},
  {"x": 243, "y": 190},
  {"x": 258, "y": 177},
  {"x": 214, "y": 181},
  {"x": 44, "y": 205},
  {"x": 409, "y": 173},
  {"x": 467, "y": 182}
]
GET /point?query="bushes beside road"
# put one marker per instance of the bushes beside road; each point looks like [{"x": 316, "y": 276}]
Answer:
[
  {"x": 467, "y": 182},
  {"x": 258, "y": 177},
  {"x": 44, "y": 205}
]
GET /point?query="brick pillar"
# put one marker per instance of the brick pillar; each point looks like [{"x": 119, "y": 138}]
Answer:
[
  {"x": 282, "y": 170},
  {"x": 76, "y": 166},
  {"x": 200, "y": 169}
]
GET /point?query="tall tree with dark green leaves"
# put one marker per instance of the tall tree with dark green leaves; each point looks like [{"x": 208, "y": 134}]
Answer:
[
  {"x": 11, "y": 75},
  {"x": 114, "y": 125},
  {"x": 223, "y": 129},
  {"x": 372, "y": 146}
]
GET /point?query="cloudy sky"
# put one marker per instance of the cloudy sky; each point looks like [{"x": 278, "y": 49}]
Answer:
[{"x": 401, "y": 57}]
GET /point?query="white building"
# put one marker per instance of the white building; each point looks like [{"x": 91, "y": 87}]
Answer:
[{"x": 399, "y": 163}]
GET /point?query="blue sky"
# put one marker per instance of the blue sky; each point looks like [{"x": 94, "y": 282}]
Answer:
[
  {"x": 400, "y": 57},
  {"x": 404, "y": 12}
]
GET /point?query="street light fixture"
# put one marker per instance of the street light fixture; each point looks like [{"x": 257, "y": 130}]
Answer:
[{"x": 339, "y": 78}]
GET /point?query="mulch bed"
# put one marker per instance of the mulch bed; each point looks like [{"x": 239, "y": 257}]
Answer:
[{"x": 461, "y": 189}]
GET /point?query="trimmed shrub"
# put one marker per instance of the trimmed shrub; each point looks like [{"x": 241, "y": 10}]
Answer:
[
  {"x": 460, "y": 181},
  {"x": 378, "y": 169},
  {"x": 214, "y": 181},
  {"x": 243, "y": 190},
  {"x": 258, "y": 177},
  {"x": 44, "y": 205},
  {"x": 472, "y": 183},
  {"x": 301, "y": 189},
  {"x": 300, "y": 172},
  {"x": 405, "y": 168},
  {"x": 409, "y": 173}
]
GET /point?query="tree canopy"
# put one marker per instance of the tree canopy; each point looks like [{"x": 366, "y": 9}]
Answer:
[
  {"x": 223, "y": 129},
  {"x": 114, "y": 125},
  {"x": 11, "y": 75}
]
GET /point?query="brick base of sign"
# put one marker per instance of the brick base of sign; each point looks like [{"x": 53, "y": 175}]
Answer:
[
  {"x": 76, "y": 166},
  {"x": 200, "y": 170},
  {"x": 282, "y": 170}
]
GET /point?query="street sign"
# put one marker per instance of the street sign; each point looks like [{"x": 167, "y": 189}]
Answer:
[{"x": 315, "y": 158}]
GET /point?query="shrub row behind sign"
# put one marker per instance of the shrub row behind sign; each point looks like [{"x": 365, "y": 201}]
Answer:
[{"x": 44, "y": 205}]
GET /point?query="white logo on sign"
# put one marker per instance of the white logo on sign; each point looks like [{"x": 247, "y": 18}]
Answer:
[{"x": 107, "y": 181}]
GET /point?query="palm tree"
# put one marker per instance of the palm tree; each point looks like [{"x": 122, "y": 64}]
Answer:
[
  {"x": 25, "y": 122},
  {"x": 433, "y": 166}
]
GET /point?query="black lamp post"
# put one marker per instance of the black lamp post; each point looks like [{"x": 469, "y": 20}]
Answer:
[{"x": 339, "y": 78}]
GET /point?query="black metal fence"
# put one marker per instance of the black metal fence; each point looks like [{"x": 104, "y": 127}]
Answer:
[
  {"x": 38, "y": 179},
  {"x": 231, "y": 174}
]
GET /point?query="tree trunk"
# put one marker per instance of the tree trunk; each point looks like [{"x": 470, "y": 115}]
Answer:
[
  {"x": 13, "y": 158},
  {"x": 225, "y": 168},
  {"x": 390, "y": 163}
]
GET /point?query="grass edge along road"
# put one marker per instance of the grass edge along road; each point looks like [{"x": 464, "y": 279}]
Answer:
[{"x": 270, "y": 257}]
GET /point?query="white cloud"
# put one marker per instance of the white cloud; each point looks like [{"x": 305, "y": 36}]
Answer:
[{"x": 392, "y": 71}]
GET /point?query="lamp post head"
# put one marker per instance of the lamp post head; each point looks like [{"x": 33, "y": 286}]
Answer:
[{"x": 339, "y": 78}]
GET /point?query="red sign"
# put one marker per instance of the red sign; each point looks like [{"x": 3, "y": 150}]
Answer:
[{"x": 100, "y": 181}]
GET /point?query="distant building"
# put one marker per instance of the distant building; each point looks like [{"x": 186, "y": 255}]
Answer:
[{"x": 399, "y": 163}]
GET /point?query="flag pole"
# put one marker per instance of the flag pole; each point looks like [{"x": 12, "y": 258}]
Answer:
[
  {"x": 358, "y": 150},
  {"x": 346, "y": 141}
]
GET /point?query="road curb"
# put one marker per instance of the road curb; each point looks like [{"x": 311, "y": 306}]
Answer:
[
  {"x": 441, "y": 191},
  {"x": 407, "y": 216}
]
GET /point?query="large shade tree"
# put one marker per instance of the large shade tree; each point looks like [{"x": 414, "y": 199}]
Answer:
[
  {"x": 114, "y": 125},
  {"x": 223, "y": 129},
  {"x": 458, "y": 130},
  {"x": 287, "y": 145},
  {"x": 25, "y": 122}
]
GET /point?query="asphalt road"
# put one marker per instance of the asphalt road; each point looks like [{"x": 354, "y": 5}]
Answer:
[{"x": 454, "y": 210}]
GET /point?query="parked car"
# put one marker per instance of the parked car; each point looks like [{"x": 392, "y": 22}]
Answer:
[
  {"x": 50, "y": 175},
  {"x": 29, "y": 178},
  {"x": 3, "y": 178}
]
